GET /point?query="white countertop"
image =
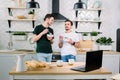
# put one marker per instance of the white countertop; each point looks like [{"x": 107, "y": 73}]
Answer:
[{"x": 57, "y": 53}]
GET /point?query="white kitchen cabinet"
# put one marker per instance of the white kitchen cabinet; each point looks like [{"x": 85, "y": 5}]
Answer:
[
  {"x": 110, "y": 61},
  {"x": 8, "y": 61}
]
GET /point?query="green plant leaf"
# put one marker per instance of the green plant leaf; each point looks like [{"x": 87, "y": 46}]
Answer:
[
  {"x": 31, "y": 12},
  {"x": 104, "y": 41},
  {"x": 19, "y": 33},
  {"x": 85, "y": 34},
  {"x": 93, "y": 33}
]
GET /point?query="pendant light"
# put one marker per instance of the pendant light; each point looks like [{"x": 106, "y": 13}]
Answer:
[
  {"x": 32, "y": 4},
  {"x": 80, "y": 5}
]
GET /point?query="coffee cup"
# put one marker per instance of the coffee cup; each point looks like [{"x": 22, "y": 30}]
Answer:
[
  {"x": 49, "y": 35},
  {"x": 71, "y": 61},
  {"x": 59, "y": 63}
]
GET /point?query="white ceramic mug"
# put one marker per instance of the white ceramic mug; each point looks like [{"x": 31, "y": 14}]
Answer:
[
  {"x": 71, "y": 61},
  {"x": 49, "y": 35},
  {"x": 59, "y": 63}
]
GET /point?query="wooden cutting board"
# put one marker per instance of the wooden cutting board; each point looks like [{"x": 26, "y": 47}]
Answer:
[{"x": 85, "y": 45}]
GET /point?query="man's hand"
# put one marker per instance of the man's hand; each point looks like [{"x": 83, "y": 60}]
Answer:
[
  {"x": 60, "y": 38},
  {"x": 45, "y": 31},
  {"x": 70, "y": 41},
  {"x": 60, "y": 41},
  {"x": 49, "y": 38}
]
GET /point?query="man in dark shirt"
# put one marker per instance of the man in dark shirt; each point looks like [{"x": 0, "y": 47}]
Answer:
[{"x": 43, "y": 36}]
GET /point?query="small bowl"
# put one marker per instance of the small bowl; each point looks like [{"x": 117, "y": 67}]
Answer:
[
  {"x": 21, "y": 17},
  {"x": 49, "y": 35}
]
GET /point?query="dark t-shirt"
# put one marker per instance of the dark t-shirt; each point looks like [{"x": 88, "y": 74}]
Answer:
[{"x": 43, "y": 44}]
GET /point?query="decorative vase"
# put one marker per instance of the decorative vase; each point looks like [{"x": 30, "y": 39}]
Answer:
[{"x": 20, "y": 65}]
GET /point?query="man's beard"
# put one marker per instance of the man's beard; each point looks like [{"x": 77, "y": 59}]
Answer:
[{"x": 67, "y": 29}]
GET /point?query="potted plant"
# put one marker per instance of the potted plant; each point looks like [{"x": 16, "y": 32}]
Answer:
[
  {"x": 19, "y": 35},
  {"x": 93, "y": 35},
  {"x": 84, "y": 36},
  {"x": 31, "y": 14},
  {"x": 104, "y": 43}
]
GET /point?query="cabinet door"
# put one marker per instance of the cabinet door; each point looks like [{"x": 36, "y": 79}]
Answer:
[
  {"x": 7, "y": 61},
  {"x": 111, "y": 62}
]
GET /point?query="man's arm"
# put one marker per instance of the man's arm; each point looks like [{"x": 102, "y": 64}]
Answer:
[
  {"x": 60, "y": 41},
  {"x": 77, "y": 44},
  {"x": 60, "y": 44},
  {"x": 35, "y": 37}
]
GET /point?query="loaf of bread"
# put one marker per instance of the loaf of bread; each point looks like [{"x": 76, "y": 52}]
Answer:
[{"x": 35, "y": 65}]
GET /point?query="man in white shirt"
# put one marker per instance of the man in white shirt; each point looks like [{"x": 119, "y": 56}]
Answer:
[{"x": 68, "y": 41}]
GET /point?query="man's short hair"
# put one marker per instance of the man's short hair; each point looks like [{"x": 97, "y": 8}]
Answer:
[
  {"x": 48, "y": 16},
  {"x": 69, "y": 21}
]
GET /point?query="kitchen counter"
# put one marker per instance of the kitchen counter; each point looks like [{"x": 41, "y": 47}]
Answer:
[
  {"x": 105, "y": 52},
  {"x": 110, "y": 60},
  {"x": 25, "y": 51},
  {"x": 63, "y": 72}
]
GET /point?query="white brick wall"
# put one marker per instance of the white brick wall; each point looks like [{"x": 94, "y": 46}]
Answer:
[{"x": 110, "y": 17}]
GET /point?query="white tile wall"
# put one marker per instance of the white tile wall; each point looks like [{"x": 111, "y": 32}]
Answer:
[{"x": 110, "y": 17}]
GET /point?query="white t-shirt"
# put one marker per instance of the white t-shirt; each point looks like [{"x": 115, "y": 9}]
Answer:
[{"x": 67, "y": 48}]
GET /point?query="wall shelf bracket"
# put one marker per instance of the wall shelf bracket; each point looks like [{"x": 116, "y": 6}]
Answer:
[
  {"x": 9, "y": 23},
  {"x": 10, "y": 12},
  {"x": 99, "y": 23},
  {"x": 99, "y": 13},
  {"x": 33, "y": 23}
]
